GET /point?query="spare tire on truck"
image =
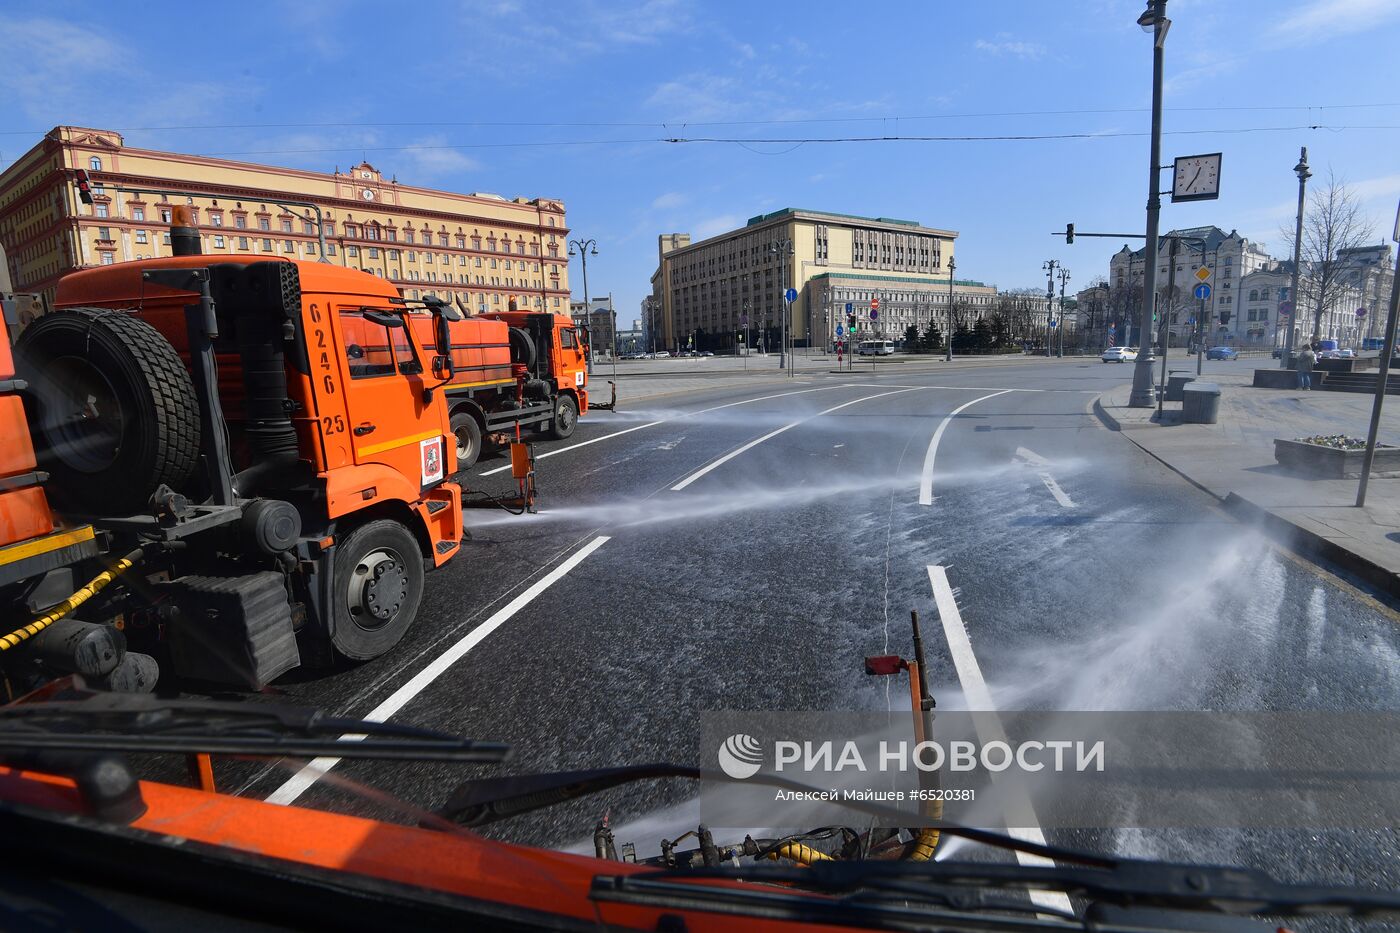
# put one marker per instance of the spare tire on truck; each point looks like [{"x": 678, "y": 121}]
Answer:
[{"x": 111, "y": 407}]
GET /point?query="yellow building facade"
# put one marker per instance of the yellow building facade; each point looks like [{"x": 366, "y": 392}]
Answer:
[
  {"x": 729, "y": 288},
  {"x": 479, "y": 250}
]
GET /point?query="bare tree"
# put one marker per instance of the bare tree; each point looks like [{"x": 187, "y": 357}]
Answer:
[{"x": 1333, "y": 222}]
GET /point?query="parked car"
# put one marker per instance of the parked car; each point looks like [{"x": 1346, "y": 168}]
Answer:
[
  {"x": 1279, "y": 352},
  {"x": 1222, "y": 353},
  {"x": 706, "y": 353},
  {"x": 1346, "y": 353},
  {"x": 1119, "y": 355}
]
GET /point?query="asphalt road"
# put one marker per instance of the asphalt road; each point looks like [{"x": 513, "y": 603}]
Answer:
[{"x": 746, "y": 548}]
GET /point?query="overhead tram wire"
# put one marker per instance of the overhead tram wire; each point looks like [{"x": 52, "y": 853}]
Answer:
[
  {"x": 661, "y": 124},
  {"x": 798, "y": 141}
]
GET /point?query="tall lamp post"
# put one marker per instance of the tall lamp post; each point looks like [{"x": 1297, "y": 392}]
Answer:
[
  {"x": 584, "y": 247},
  {"x": 1153, "y": 20},
  {"x": 948, "y": 357},
  {"x": 1064, "y": 277},
  {"x": 782, "y": 248},
  {"x": 1049, "y": 266},
  {"x": 1285, "y": 358}
]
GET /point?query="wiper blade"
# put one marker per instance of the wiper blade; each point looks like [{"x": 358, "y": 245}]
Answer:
[
  {"x": 136, "y": 723},
  {"x": 1128, "y": 883},
  {"x": 478, "y": 802}
]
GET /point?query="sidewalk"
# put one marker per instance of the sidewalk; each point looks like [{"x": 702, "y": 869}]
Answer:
[{"x": 1234, "y": 461}]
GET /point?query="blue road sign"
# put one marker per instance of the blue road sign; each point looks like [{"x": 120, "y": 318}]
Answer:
[
  {"x": 840, "y": 330},
  {"x": 874, "y": 314},
  {"x": 1202, "y": 291},
  {"x": 850, "y": 307},
  {"x": 1054, "y": 323},
  {"x": 790, "y": 295},
  {"x": 1191, "y": 319}
]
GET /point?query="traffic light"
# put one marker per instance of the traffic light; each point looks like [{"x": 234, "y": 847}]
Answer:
[
  {"x": 1069, "y": 234},
  {"x": 84, "y": 187}
]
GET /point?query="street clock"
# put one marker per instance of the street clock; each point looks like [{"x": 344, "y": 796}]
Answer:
[{"x": 1196, "y": 178}]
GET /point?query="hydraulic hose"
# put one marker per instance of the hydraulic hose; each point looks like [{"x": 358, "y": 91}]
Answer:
[
  {"x": 799, "y": 852},
  {"x": 94, "y": 586},
  {"x": 926, "y": 840}
]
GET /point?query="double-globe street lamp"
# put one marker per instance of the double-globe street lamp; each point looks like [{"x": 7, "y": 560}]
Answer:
[{"x": 582, "y": 248}]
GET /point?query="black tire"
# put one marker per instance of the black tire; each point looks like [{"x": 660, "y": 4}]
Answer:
[
  {"x": 113, "y": 409},
  {"x": 565, "y": 418},
  {"x": 468, "y": 434},
  {"x": 378, "y": 585}
]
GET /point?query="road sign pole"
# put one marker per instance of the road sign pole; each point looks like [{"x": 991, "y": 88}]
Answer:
[{"x": 1200, "y": 335}]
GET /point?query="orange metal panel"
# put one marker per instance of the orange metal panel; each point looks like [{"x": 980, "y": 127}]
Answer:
[
  {"x": 17, "y": 451},
  {"x": 24, "y": 514}
]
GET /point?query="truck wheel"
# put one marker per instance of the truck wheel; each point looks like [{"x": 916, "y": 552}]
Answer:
[
  {"x": 378, "y": 581},
  {"x": 468, "y": 435},
  {"x": 565, "y": 418},
  {"x": 113, "y": 408}
]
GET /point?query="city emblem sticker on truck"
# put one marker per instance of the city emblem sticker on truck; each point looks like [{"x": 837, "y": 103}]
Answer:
[
  {"x": 578, "y": 378},
  {"x": 430, "y": 452}
]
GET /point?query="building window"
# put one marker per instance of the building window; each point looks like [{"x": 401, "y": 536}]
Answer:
[
  {"x": 141, "y": 236},
  {"x": 243, "y": 242},
  {"x": 267, "y": 245},
  {"x": 493, "y": 264},
  {"x": 408, "y": 236},
  {"x": 461, "y": 260},
  {"x": 428, "y": 258},
  {"x": 287, "y": 246},
  {"x": 412, "y": 256},
  {"x": 461, "y": 241},
  {"x": 393, "y": 254},
  {"x": 240, "y": 222},
  {"x": 373, "y": 252},
  {"x": 219, "y": 242},
  {"x": 330, "y": 249},
  {"x": 264, "y": 223},
  {"x": 391, "y": 235},
  {"x": 352, "y": 251},
  {"x": 476, "y": 242},
  {"x": 216, "y": 220},
  {"x": 95, "y": 164},
  {"x": 138, "y": 213},
  {"x": 108, "y": 259},
  {"x": 442, "y": 239},
  {"x": 100, "y": 210},
  {"x": 104, "y": 233},
  {"x": 311, "y": 249}
]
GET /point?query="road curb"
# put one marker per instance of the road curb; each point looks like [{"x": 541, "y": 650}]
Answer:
[{"x": 1287, "y": 534}]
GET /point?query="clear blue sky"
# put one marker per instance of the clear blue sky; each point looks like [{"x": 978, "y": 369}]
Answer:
[{"x": 267, "y": 73}]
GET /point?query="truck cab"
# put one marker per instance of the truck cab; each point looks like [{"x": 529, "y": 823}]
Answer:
[{"x": 511, "y": 370}]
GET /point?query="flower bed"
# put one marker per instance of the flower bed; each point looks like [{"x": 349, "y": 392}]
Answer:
[{"x": 1334, "y": 456}]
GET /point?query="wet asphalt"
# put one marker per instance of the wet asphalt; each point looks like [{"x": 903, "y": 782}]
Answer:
[{"x": 764, "y": 583}]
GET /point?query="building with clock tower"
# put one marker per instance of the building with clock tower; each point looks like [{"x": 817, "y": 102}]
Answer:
[{"x": 477, "y": 249}]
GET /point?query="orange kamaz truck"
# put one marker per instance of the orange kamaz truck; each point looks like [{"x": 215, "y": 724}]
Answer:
[
  {"x": 512, "y": 369},
  {"x": 220, "y": 469}
]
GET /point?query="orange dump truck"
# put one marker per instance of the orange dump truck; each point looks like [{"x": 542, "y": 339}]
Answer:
[
  {"x": 250, "y": 459},
  {"x": 512, "y": 368}
]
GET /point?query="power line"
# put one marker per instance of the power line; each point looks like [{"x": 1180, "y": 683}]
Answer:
[
  {"x": 670, "y": 123},
  {"x": 803, "y": 140}
]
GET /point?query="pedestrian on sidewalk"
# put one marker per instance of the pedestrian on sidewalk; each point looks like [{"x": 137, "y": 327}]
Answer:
[{"x": 1306, "y": 359}]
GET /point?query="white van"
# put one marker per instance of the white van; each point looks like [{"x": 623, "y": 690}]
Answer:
[{"x": 876, "y": 348}]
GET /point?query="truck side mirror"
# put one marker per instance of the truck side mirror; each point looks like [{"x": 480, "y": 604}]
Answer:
[{"x": 442, "y": 334}]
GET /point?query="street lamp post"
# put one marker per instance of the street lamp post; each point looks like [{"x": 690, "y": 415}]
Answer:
[
  {"x": 782, "y": 248},
  {"x": 1301, "y": 169},
  {"x": 948, "y": 335},
  {"x": 1064, "y": 277},
  {"x": 584, "y": 247},
  {"x": 1049, "y": 266},
  {"x": 1153, "y": 19}
]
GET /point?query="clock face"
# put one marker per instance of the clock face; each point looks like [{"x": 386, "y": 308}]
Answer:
[
  {"x": 367, "y": 194},
  {"x": 1196, "y": 178}
]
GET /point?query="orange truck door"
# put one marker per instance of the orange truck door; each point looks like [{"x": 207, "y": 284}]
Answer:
[
  {"x": 389, "y": 422},
  {"x": 572, "y": 366}
]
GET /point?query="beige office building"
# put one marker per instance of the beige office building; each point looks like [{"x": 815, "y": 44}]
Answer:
[
  {"x": 479, "y": 249},
  {"x": 729, "y": 287}
]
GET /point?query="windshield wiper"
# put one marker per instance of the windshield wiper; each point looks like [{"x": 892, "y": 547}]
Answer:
[
  {"x": 478, "y": 802},
  {"x": 138, "y": 722},
  {"x": 1132, "y": 883}
]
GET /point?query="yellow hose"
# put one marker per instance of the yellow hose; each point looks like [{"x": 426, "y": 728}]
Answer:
[
  {"x": 926, "y": 842},
  {"x": 799, "y": 853},
  {"x": 94, "y": 586}
]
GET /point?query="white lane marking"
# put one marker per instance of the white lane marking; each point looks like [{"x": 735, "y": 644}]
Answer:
[
  {"x": 298, "y": 783},
  {"x": 926, "y": 478},
  {"x": 772, "y": 434},
  {"x": 652, "y": 424},
  {"x": 1042, "y": 468},
  {"x": 979, "y": 698}
]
